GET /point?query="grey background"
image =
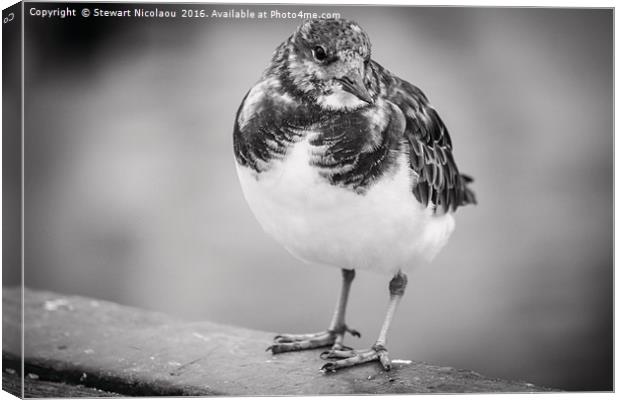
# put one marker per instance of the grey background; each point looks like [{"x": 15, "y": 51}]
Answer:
[{"x": 132, "y": 195}]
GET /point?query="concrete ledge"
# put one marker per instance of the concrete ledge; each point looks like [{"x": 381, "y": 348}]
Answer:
[
  {"x": 117, "y": 349},
  {"x": 37, "y": 388}
]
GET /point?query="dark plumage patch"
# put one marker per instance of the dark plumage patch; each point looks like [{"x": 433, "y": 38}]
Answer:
[
  {"x": 355, "y": 152},
  {"x": 270, "y": 128}
]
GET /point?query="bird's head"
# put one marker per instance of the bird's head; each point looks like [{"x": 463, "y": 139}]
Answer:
[{"x": 327, "y": 60}]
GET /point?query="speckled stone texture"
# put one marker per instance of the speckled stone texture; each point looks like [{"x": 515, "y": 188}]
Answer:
[{"x": 109, "y": 347}]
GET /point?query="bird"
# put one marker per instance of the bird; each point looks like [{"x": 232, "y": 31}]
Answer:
[{"x": 346, "y": 165}]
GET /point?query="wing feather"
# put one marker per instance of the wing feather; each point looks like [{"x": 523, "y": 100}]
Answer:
[{"x": 430, "y": 156}]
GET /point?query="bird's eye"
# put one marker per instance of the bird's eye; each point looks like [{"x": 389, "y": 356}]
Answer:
[{"x": 319, "y": 53}]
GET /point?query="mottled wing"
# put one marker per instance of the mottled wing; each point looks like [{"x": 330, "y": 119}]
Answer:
[
  {"x": 430, "y": 150},
  {"x": 264, "y": 127}
]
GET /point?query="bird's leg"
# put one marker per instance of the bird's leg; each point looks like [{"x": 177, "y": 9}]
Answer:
[
  {"x": 338, "y": 327},
  {"x": 333, "y": 336},
  {"x": 378, "y": 351}
]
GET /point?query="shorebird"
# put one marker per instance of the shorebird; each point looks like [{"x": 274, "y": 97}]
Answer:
[{"x": 346, "y": 165}]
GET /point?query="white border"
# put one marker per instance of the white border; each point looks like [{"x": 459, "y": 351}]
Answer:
[{"x": 531, "y": 3}]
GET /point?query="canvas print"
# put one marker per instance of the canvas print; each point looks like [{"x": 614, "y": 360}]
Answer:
[{"x": 293, "y": 199}]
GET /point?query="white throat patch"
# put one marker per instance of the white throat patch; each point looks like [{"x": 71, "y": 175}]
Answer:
[{"x": 340, "y": 100}]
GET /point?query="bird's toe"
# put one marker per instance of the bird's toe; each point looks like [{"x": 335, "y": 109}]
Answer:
[
  {"x": 294, "y": 342},
  {"x": 384, "y": 358},
  {"x": 349, "y": 358},
  {"x": 289, "y": 337},
  {"x": 285, "y": 343},
  {"x": 338, "y": 353}
]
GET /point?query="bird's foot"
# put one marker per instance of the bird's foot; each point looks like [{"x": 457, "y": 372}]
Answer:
[
  {"x": 349, "y": 358},
  {"x": 293, "y": 342}
]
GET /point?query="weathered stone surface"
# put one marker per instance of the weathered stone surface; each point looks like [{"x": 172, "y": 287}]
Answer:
[
  {"x": 37, "y": 388},
  {"x": 123, "y": 350}
]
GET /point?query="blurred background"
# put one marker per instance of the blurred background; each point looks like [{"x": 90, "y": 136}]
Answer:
[{"x": 132, "y": 196}]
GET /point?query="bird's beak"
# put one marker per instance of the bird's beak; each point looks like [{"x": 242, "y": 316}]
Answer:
[{"x": 354, "y": 84}]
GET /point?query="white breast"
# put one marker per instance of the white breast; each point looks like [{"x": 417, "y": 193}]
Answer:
[{"x": 383, "y": 230}]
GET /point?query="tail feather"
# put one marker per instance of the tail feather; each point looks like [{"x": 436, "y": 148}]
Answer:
[{"x": 470, "y": 196}]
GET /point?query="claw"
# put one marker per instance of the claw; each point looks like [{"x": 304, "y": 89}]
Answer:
[
  {"x": 278, "y": 338},
  {"x": 355, "y": 333},
  {"x": 385, "y": 361},
  {"x": 278, "y": 348},
  {"x": 329, "y": 367}
]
